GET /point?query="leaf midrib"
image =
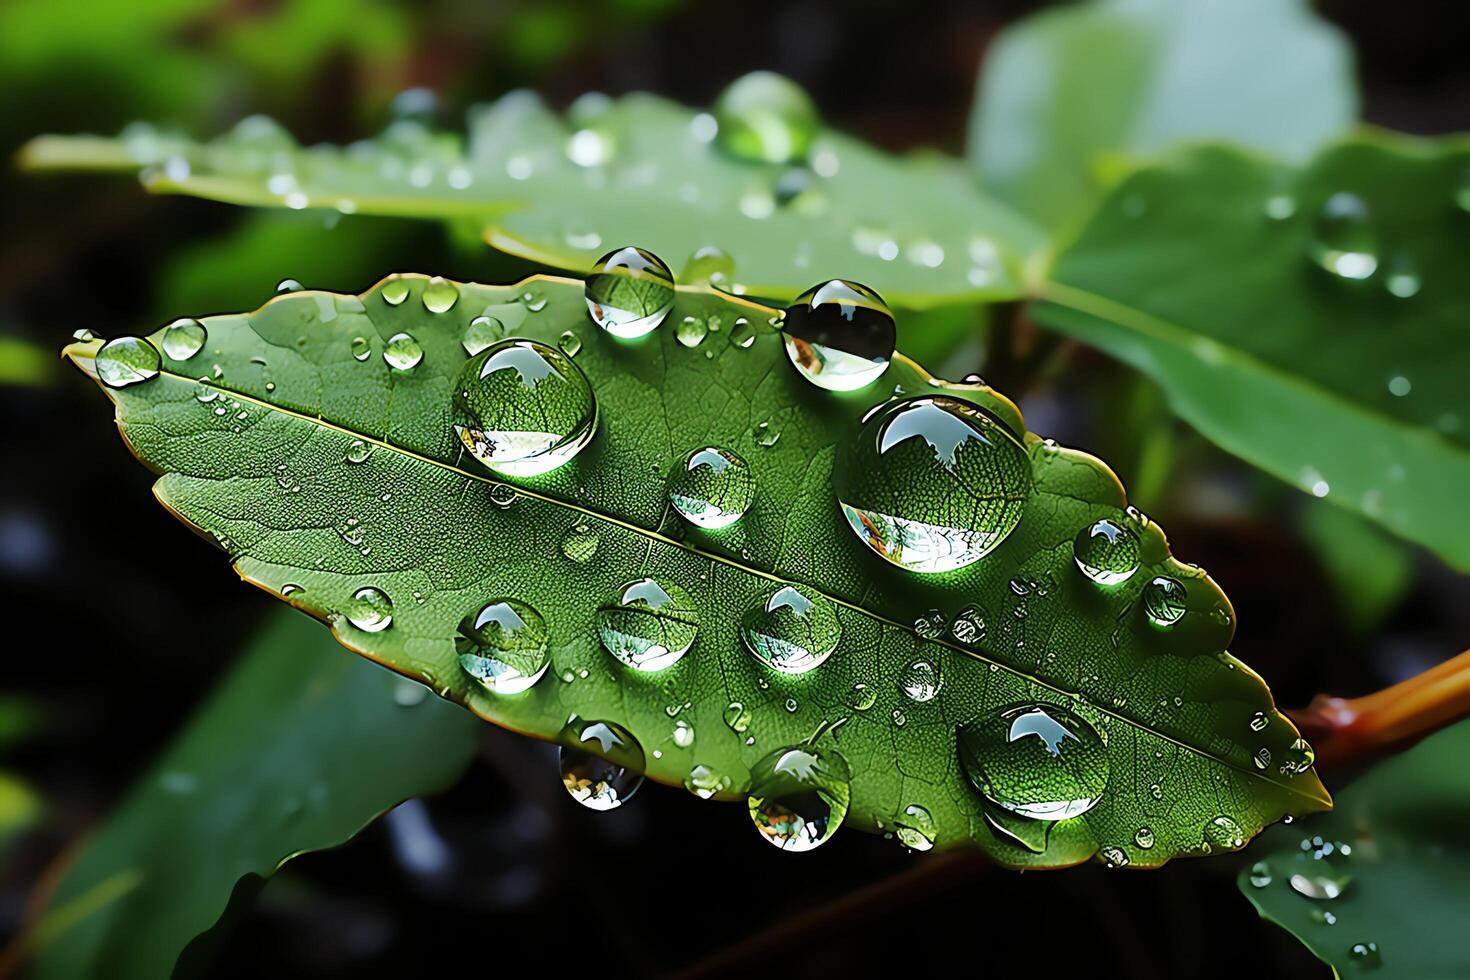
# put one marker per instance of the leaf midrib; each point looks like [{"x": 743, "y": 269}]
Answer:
[{"x": 654, "y": 536}]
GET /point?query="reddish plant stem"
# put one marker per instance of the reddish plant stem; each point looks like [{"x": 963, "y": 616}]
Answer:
[{"x": 1351, "y": 729}]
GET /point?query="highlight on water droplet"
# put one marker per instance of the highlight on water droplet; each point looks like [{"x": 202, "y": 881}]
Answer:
[
  {"x": 522, "y": 408},
  {"x": 737, "y": 717},
  {"x": 1037, "y": 760},
  {"x": 711, "y": 487},
  {"x": 362, "y": 349},
  {"x": 127, "y": 361},
  {"x": 570, "y": 343},
  {"x": 932, "y": 483},
  {"x": 839, "y": 335},
  {"x": 629, "y": 292},
  {"x": 403, "y": 352},
  {"x": 358, "y": 451},
  {"x": 1106, "y": 552},
  {"x": 601, "y": 764},
  {"x": 799, "y": 797},
  {"x": 370, "y": 610},
  {"x": 765, "y": 118},
  {"x": 183, "y": 338},
  {"x": 649, "y": 625},
  {"x": 793, "y": 630},
  {"x": 503, "y": 646}
]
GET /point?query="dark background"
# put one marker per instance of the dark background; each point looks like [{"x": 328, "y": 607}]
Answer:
[{"x": 120, "y": 620}]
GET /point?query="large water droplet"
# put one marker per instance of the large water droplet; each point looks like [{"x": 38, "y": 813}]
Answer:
[
  {"x": 650, "y": 625},
  {"x": 370, "y": 610},
  {"x": 184, "y": 338},
  {"x": 840, "y": 335},
  {"x": 691, "y": 331},
  {"x": 629, "y": 292},
  {"x": 482, "y": 332},
  {"x": 601, "y": 764},
  {"x": 766, "y": 118},
  {"x": 395, "y": 291},
  {"x": 799, "y": 797},
  {"x": 1343, "y": 241},
  {"x": 920, "y": 681},
  {"x": 932, "y": 483},
  {"x": 914, "y": 828},
  {"x": 1036, "y": 760},
  {"x": 793, "y": 631},
  {"x": 503, "y": 646},
  {"x": 440, "y": 295},
  {"x": 1106, "y": 552},
  {"x": 1165, "y": 601},
  {"x": 711, "y": 487},
  {"x": 127, "y": 361},
  {"x": 523, "y": 408},
  {"x": 403, "y": 351}
]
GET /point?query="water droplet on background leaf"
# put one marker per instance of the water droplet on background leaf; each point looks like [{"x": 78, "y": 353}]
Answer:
[
  {"x": 1343, "y": 241},
  {"x": 765, "y": 118}
]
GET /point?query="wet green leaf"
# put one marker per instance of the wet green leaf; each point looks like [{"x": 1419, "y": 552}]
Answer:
[
  {"x": 1403, "y": 876},
  {"x": 1309, "y": 320},
  {"x": 298, "y": 750},
  {"x": 1066, "y": 88},
  {"x": 639, "y": 170},
  {"x": 338, "y": 481}
]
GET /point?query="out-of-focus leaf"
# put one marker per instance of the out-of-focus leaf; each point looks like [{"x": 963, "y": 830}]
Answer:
[
  {"x": 1213, "y": 273},
  {"x": 335, "y": 479},
  {"x": 24, "y": 363},
  {"x": 1371, "y": 571},
  {"x": 1401, "y": 880},
  {"x": 1065, "y": 87},
  {"x": 638, "y": 170},
  {"x": 298, "y": 750},
  {"x": 20, "y": 806}
]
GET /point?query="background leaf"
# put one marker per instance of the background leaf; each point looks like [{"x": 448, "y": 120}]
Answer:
[
  {"x": 640, "y": 170},
  {"x": 1350, "y": 389},
  {"x": 1067, "y": 87},
  {"x": 1403, "y": 824},
  {"x": 327, "y": 473},
  {"x": 299, "y": 748}
]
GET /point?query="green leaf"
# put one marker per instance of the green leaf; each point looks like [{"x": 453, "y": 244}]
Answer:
[
  {"x": 650, "y": 174},
  {"x": 1065, "y": 88},
  {"x": 339, "y": 482},
  {"x": 298, "y": 750},
  {"x": 1370, "y": 571},
  {"x": 1403, "y": 879},
  {"x": 1348, "y": 388}
]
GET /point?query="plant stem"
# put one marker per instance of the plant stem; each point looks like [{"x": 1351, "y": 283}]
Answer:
[{"x": 1349, "y": 729}]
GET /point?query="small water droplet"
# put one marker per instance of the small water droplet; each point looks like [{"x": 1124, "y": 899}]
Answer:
[
  {"x": 580, "y": 543},
  {"x": 570, "y": 343},
  {"x": 705, "y": 783},
  {"x": 737, "y": 717},
  {"x": 127, "y": 361},
  {"x": 861, "y": 697},
  {"x": 793, "y": 631},
  {"x": 503, "y": 646},
  {"x": 919, "y": 681},
  {"x": 932, "y": 483},
  {"x": 799, "y": 797},
  {"x": 601, "y": 764},
  {"x": 1165, "y": 601},
  {"x": 1260, "y": 875},
  {"x": 395, "y": 291},
  {"x": 361, "y": 349},
  {"x": 711, "y": 487},
  {"x": 288, "y": 286},
  {"x": 1224, "y": 834},
  {"x": 370, "y": 610},
  {"x": 629, "y": 292},
  {"x": 403, "y": 351},
  {"x": 1259, "y": 721},
  {"x": 1366, "y": 955},
  {"x": 840, "y": 335},
  {"x": 708, "y": 266},
  {"x": 503, "y": 495},
  {"x": 1144, "y": 838},
  {"x": 358, "y": 451},
  {"x": 440, "y": 295},
  {"x": 914, "y": 827},
  {"x": 767, "y": 435},
  {"x": 1343, "y": 241},
  {"x": 523, "y": 408},
  {"x": 183, "y": 338},
  {"x": 691, "y": 331},
  {"x": 1039, "y": 761},
  {"x": 1106, "y": 552},
  {"x": 482, "y": 332},
  {"x": 1279, "y": 207},
  {"x": 930, "y": 625},
  {"x": 650, "y": 624},
  {"x": 968, "y": 626},
  {"x": 742, "y": 334}
]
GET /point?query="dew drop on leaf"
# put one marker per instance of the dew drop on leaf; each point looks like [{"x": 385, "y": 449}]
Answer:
[
  {"x": 1224, "y": 834},
  {"x": 580, "y": 543},
  {"x": 503, "y": 646},
  {"x": 799, "y": 797},
  {"x": 1366, "y": 955},
  {"x": 601, "y": 764},
  {"x": 629, "y": 292},
  {"x": 710, "y": 266},
  {"x": 570, "y": 343},
  {"x": 919, "y": 681},
  {"x": 370, "y": 610},
  {"x": 1106, "y": 552},
  {"x": 395, "y": 291},
  {"x": 861, "y": 697},
  {"x": 440, "y": 295},
  {"x": 706, "y": 783},
  {"x": 184, "y": 338},
  {"x": 127, "y": 361},
  {"x": 765, "y": 118},
  {"x": 1164, "y": 600},
  {"x": 358, "y": 451},
  {"x": 649, "y": 625},
  {"x": 914, "y": 828},
  {"x": 1343, "y": 240},
  {"x": 839, "y": 335},
  {"x": 288, "y": 286},
  {"x": 1144, "y": 838},
  {"x": 361, "y": 349},
  {"x": 503, "y": 495},
  {"x": 968, "y": 626},
  {"x": 932, "y": 483},
  {"x": 1036, "y": 760},
  {"x": 711, "y": 487},
  {"x": 793, "y": 631},
  {"x": 691, "y": 331},
  {"x": 737, "y": 717},
  {"x": 403, "y": 352},
  {"x": 1260, "y": 875},
  {"x": 480, "y": 333},
  {"x": 683, "y": 734},
  {"x": 523, "y": 408}
]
